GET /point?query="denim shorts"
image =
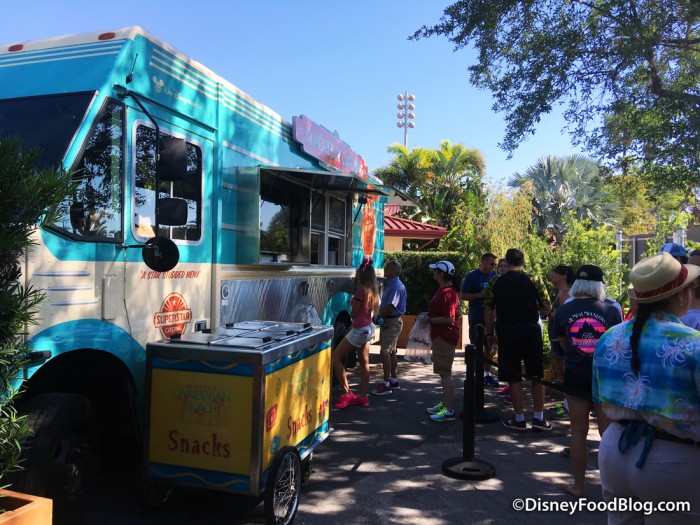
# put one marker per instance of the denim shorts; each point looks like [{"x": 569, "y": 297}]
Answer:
[{"x": 360, "y": 336}]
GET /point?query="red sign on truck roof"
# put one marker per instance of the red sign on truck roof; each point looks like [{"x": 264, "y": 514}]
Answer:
[{"x": 320, "y": 143}]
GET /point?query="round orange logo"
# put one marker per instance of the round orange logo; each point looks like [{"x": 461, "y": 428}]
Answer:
[{"x": 174, "y": 316}]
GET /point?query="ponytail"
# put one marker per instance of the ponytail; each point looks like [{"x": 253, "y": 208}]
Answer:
[{"x": 644, "y": 311}]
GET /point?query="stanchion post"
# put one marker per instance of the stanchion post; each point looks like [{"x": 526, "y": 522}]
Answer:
[
  {"x": 482, "y": 415},
  {"x": 466, "y": 467}
]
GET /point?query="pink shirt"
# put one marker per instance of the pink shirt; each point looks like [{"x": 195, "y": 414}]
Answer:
[{"x": 363, "y": 317}]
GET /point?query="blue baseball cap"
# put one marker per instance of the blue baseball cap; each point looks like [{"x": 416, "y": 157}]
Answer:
[{"x": 675, "y": 249}]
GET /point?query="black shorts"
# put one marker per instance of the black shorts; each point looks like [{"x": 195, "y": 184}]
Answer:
[
  {"x": 518, "y": 344},
  {"x": 578, "y": 385}
]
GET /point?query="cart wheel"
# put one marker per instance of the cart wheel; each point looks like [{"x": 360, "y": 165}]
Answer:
[{"x": 283, "y": 487}]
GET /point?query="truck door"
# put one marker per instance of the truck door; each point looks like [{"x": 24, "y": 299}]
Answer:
[{"x": 163, "y": 304}]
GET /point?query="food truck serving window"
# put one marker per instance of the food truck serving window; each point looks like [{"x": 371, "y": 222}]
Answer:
[
  {"x": 314, "y": 207},
  {"x": 283, "y": 220}
]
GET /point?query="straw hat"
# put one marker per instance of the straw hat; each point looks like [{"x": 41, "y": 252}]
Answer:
[{"x": 659, "y": 277}]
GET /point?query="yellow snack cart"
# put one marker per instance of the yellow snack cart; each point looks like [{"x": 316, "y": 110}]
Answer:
[{"x": 240, "y": 409}]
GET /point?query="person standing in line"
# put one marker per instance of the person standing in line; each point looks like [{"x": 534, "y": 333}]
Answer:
[
  {"x": 694, "y": 257},
  {"x": 676, "y": 250},
  {"x": 512, "y": 307},
  {"x": 646, "y": 375},
  {"x": 501, "y": 267},
  {"x": 391, "y": 308},
  {"x": 692, "y": 318},
  {"x": 579, "y": 324},
  {"x": 443, "y": 313},
  {"x": 562, "y": 277},
  {"x": 503, "y": 393},
  {"x": 364, "y": 303},
  {"x": 473, "y": 291}
]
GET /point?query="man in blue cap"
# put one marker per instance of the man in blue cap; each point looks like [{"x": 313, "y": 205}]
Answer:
[{"x": 677, "y": 251}]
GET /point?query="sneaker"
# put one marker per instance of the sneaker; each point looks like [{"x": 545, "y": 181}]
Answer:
[
  {"x": 394, "y": 384},
  {"x": 360, "y": 401},
  {"x": 436, "y": 409},
  {"x": 519, "y": 426},
  {"x": 345, "y": 399},
  {"x": 504, "y": 392},
  {"x": 489, "y": 380},
  {"x": 539, "y": 425},
  {"x": 381, "y": 390},
  {"x": 558, "y": 412},
  {"x": 443, "y": 415}
]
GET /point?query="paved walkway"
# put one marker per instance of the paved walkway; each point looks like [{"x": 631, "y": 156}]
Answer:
[{"x": 384, "y": 464}]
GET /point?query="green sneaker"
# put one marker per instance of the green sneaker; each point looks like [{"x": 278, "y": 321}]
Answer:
[
  {"x": 443, "y": 415},
  {"x": 436, "y": 409},
  {"x": 558, "y": 412}
]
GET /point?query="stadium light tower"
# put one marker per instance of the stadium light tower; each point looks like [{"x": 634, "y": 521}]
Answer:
[{"x": 405, "y": 116}]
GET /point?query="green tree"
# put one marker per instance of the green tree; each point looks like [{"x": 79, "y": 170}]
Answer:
[
  {"x": 438, "y": 180},
  {"x": 407, "y": 170},
  {"x": 27, "y": 198},
  {"x": 627, "y": 72},
  {"x": 586, "y": 243},
  {"x": 564, "y": 185}
]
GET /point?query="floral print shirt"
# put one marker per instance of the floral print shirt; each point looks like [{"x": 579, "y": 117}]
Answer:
[{"x": 666, "y": 392}]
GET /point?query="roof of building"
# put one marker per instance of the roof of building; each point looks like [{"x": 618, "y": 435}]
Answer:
[{"x": 408, "y": 229}]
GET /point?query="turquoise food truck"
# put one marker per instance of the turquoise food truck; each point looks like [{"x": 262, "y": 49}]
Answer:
[{"x": 197, "y": 207}]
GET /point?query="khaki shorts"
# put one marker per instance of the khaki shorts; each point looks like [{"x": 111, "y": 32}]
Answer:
[
  {"x": 389, "y": 334},
  {"x": 443, "y": 356}
]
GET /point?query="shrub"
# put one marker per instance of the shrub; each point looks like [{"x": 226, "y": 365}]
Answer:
[{"x": 26, "y": 195}]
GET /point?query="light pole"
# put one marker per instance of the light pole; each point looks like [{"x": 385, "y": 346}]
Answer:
[{"x": 404, "y": 115}]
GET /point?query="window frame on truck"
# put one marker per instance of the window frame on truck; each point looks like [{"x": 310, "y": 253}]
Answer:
[
  {"x": 191, "y": 190},
  {"x": 89, "y": 215}
]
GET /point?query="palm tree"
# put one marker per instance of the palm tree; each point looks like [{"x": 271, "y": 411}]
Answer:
[
  {"x": 438, "y": 180},
  {"x": 564, "y": 185},
  {"x": 454, "y": 177},
  {"x": 408, "y": 169}
]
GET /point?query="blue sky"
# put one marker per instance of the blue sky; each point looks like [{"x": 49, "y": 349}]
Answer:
[{"x": 339, "y": 63}]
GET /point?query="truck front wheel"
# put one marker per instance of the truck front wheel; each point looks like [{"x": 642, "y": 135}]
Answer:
[{"x": 59, "y": 456}]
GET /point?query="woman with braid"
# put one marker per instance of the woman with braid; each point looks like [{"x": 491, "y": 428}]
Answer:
[
  {"x": 646, "y": 374},
  {"x": 363, "y": 307}
]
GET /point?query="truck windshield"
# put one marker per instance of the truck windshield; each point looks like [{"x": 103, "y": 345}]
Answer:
[{"x": 48, "y": 122}]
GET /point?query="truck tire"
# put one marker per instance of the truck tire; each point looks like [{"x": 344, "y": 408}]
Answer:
[
  {"x": 283, "y": 487},
  {"x": 59, "y": 456}
]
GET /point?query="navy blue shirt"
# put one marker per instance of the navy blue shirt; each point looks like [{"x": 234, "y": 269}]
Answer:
[{"x": 474, "y": 282}]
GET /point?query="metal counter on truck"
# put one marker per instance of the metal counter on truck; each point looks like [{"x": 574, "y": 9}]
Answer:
[{"x": 240, "y": 409}]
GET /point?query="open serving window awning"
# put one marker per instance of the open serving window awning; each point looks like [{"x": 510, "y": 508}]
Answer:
[{"x": 326, "y": 180}]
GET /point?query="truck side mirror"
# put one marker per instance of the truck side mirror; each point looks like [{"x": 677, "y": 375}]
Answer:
[
  {"x": 172, "y": 163},
  {"x": 160, "y": 254},
  {"x": 172, "y": 212}
]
